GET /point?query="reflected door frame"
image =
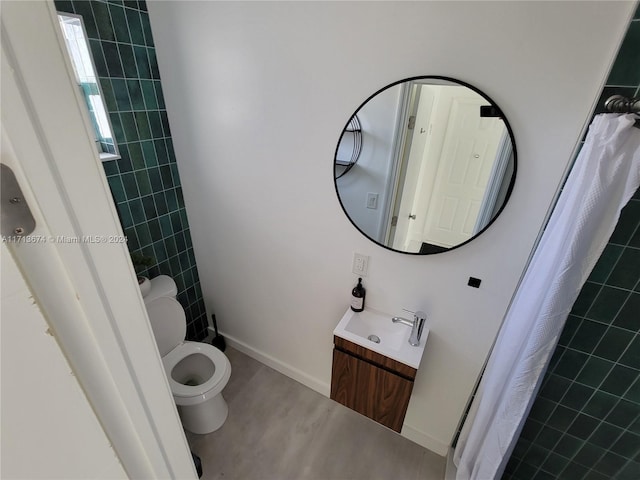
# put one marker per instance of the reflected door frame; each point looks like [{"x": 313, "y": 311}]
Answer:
[{"x": 413, "y": 116}]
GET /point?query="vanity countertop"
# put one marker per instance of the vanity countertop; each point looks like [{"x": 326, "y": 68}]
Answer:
[{"x": 375, "y": 330}]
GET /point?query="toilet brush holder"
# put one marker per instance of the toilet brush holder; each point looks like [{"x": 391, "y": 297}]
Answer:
[{"x": 218, "y": 340}]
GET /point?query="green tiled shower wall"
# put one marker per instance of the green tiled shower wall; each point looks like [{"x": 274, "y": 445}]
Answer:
[
  {"x": 144, "y": 182},
  {"x": 585, "y": 421}
]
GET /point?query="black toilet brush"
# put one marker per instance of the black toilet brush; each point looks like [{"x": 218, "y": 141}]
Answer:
[{"x": 218, "y": 340}]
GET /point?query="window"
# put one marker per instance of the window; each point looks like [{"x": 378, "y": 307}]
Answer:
[{"x": 78, "y": 47}]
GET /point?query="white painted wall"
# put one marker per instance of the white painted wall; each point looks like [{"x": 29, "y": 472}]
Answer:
[{"x": 257, "y": 95}]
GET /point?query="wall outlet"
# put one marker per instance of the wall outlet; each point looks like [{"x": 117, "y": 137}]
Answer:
[{"x": 360, "y": 264}]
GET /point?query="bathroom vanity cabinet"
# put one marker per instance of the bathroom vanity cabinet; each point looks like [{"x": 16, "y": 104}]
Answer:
[{"x": 371, "y": 383}]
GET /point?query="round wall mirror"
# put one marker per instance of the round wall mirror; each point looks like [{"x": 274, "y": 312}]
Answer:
[{"x": 425, "y": 165}]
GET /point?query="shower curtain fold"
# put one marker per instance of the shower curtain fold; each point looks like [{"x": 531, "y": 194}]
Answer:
[{"x": 602, "y": 180}]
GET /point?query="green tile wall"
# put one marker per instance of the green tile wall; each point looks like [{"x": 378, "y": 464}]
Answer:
[
  {"x": 144, "y": 182},
  {"x": 585, "y": 421}
]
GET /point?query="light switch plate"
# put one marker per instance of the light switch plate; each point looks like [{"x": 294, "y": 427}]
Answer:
[
  {"x": 372, "y": 200},
  {"x": 360, "y": 264}
]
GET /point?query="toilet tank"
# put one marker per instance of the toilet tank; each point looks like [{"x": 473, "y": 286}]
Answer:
[
  {"x": 168, "y": 323},
  {"x": 161, "y": 286}
]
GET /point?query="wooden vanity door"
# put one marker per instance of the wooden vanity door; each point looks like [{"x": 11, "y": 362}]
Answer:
[{"x": 370, "y": 390}]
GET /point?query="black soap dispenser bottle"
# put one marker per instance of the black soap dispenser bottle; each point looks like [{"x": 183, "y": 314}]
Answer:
[{"x": 357, "y": 297}]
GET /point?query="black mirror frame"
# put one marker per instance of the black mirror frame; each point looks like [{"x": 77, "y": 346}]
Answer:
[{"x": 495, "y": 108}]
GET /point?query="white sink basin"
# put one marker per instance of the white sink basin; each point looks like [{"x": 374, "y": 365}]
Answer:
[{"x": 364, "y": 328}]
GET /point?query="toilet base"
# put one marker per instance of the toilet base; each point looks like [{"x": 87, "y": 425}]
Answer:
[{"x": 205, "y": 417}]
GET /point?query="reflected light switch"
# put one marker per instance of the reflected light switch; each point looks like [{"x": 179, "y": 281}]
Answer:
[{"x": 372, "y": 200}]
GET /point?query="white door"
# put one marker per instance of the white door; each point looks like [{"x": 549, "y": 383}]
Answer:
[
  {"x": 86, "y": 291},
  {"x": 466, "y": 160},
  {"x": 42, "y": 402}
]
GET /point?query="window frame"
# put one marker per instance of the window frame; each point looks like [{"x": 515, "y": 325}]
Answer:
[{"x": 104, "y": 156}]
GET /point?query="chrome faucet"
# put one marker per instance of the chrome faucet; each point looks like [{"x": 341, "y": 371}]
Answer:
[{"x": 417, "y": 325}]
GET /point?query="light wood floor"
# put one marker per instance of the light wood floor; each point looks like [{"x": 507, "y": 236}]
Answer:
[{"x": 279, "y": 429}]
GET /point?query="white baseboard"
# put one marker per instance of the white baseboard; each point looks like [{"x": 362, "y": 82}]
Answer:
[
  {"x": 424, "y": 440},
  {"x": 323, "y": 388},
  {"x": 451, "y": 469},
  {"x": 284, "y": 368}
]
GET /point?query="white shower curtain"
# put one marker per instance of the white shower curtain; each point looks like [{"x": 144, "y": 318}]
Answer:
[{"x": 602, "y": 180}]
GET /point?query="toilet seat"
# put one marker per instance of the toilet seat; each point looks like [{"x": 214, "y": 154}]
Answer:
[{"x": 190, "y": 395}]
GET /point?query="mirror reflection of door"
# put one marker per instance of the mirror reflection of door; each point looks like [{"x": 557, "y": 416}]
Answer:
[
  {"x": 416, "y": 133},
  {"x": 450, "y": 156},
  {"x": 451, "y": 167}
]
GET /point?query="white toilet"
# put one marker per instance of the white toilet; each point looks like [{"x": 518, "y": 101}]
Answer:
[{"x": 197, "y": 372}]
